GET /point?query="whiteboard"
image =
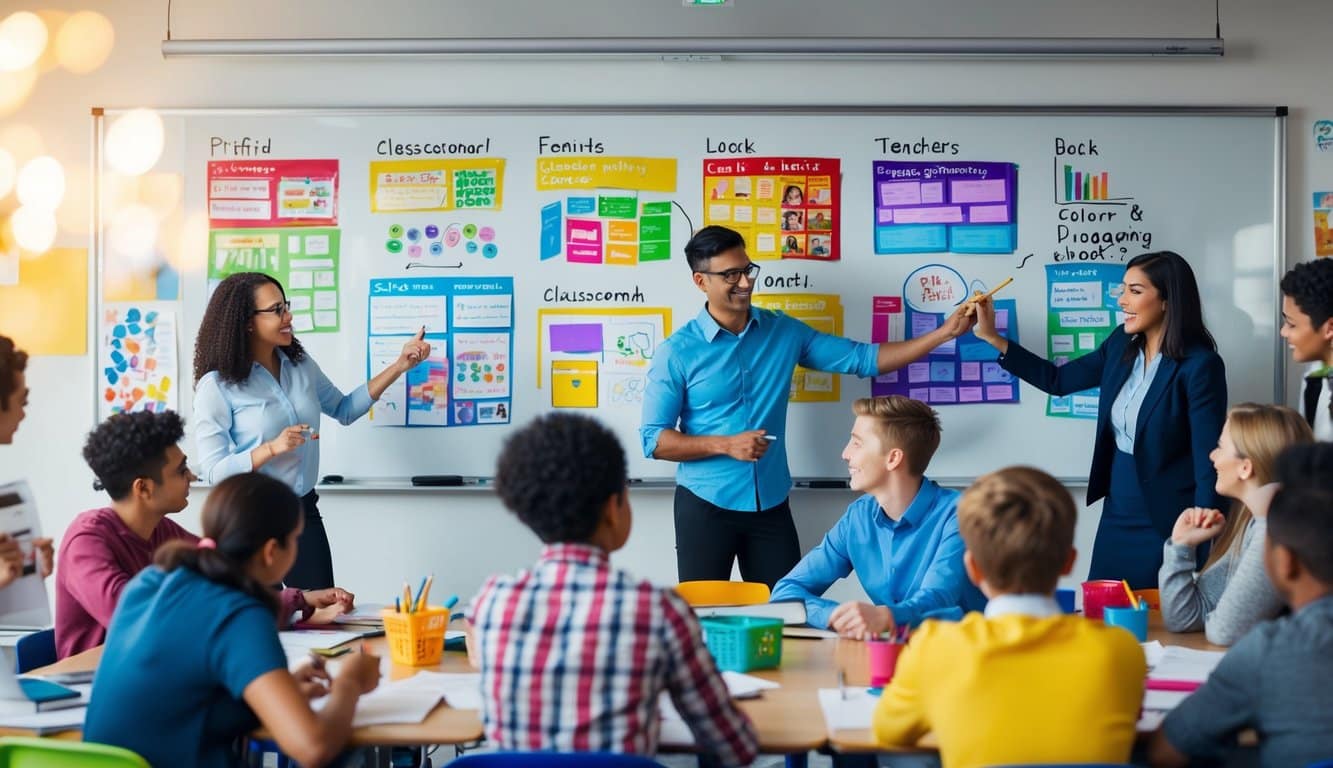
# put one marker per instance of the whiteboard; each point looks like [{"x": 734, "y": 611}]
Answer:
[{"x": 1206, "y": 183}]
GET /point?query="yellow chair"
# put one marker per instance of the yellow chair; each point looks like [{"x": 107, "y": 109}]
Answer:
[
  {"x": 22, "y": 752},
  {"x": 698, "y": 593}
]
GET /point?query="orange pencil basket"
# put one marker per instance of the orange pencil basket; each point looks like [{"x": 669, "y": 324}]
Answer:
[{"x": 416, "y": 639}]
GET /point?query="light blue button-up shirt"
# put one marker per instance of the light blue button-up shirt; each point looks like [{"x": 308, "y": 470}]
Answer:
[
  {"x": 706, "y": 380},
  {"x": 231, "y": 420},
  {"x": 914, "y": 565},
  {"x": 1125, "y": 409}
]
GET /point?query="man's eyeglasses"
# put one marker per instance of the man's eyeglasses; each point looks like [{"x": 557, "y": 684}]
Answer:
[
  {"x": 733, "y": 276},
  {"x": 279, "y": 309}
]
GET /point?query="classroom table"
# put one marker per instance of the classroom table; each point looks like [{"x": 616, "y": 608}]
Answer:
[{"x": 788, "y": 719}]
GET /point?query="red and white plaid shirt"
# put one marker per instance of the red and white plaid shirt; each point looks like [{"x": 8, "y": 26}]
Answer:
[{"x": 574, "y": 655}]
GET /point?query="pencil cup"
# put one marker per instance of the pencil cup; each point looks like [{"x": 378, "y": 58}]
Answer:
[
  {"x": 416, "y": 639},
  {"x": 883, "y": 661},
  {"x": 1103, "y": 593},
  {"x": 1133, "y": 619}
]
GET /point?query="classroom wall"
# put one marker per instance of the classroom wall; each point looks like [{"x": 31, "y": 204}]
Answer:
[{"x": 1277, "y": 54}]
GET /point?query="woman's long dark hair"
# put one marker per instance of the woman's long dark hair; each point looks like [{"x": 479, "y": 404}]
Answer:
[
  {"x": 1171, "y": 275},
  {"x": 223, "y": 343},
  {"x": 241, "y": 514}
]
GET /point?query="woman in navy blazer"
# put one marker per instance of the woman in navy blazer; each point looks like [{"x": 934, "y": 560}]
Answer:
[{"x": 1162, "y": 404}]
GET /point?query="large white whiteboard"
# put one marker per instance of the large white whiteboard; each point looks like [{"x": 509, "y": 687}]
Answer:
[{"x": 1207, "y": 184}]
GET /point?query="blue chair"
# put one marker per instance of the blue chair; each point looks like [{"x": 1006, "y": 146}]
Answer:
[
  {"x": 554, "y": 760},
  {"x": 36, "y": 650}
]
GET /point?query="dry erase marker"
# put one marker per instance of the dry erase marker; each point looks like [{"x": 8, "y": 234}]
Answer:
[{"x": 771, "y": 438}]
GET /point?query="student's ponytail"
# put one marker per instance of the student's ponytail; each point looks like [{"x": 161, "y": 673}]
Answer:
[{"x": 241, "y": 515}]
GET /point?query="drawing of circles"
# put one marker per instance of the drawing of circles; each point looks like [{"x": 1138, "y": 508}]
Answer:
[
  {"x": 396, "y": 231},
  {"x": 486, "y": 234},
  {"x": 394, "y": 246},
  {"x": 469, "y": 231},
  {"x": 432, "y": 231},
  {"x": 436, "y": 248},
  {"x": 414, "y": 234},
  {"x": 490, "y": 251},
  {"x": 414, "y": 251},
  {"x": 451, "y": 236},
  {"x": 471, "y": 246}
]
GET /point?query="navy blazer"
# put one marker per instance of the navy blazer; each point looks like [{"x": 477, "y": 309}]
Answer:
[{"x": 1178, "y": 424}]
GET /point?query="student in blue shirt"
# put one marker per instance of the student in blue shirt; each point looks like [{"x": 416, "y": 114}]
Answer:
[
  {"x": 716, "y": 401},
  {"x": 1162, "y": 404},
  {"x": 192, "y": 661},
  {"x": 901, "y": 538},
  {"x": 258, "y": 395}
]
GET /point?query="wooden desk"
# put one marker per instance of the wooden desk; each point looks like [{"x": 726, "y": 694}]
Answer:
[
  {"x": 444, "y": 725},
  {"x": 855, "y": 663}
]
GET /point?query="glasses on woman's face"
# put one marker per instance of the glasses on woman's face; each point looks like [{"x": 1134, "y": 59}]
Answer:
[
  {"x": 277, "y": 310},
  {"x": 733, "y": 276}
]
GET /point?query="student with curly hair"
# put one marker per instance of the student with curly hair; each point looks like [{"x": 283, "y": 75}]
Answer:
[
  {"x": 13, "y": 404},
  {"x": 192, "y": 661},
  {"x": 137, "y": 461},
  {"x": 258, "y": 397},
  {"x": 1307, "y": 325},
  {"x": 573, "y": 653}
]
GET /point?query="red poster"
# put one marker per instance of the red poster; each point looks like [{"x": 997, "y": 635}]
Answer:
[
  {"x": 785, "y": 207},
  {"x": 272, "y": 193}
]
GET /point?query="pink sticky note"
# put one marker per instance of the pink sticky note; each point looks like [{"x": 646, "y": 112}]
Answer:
[
  {"x": 970, "y": 372},
  {"x": 988, "y": 214},
  {"x": 969, "y": 394},
  {"x": 918, "y": 373},
  {"x": 999, "y": 392}
]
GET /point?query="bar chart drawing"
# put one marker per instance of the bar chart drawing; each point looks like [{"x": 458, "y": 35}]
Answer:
[{"x": 1076, "y": 186}]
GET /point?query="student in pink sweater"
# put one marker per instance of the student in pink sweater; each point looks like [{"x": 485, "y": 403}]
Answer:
[{"x": 138, "y": 463}]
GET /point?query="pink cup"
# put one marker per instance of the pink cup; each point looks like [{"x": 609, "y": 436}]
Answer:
[
  {"x": 1103, "y": 593},
  {"x": 883, "y": 661}
]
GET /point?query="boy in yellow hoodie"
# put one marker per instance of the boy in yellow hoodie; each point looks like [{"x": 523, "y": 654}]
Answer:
[{"x": 1022, "y": 683}]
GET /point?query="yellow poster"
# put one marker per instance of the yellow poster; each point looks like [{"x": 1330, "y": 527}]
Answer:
[
  {"x": 644, "y": 174},
  {"x": 599, "y": 356},
  {"x": 820, "y": 311},
  {"x": 46, "y": 312},
  {"x": 437, "y": 185}
]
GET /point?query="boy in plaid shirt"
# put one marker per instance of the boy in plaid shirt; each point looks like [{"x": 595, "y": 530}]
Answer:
[{"x": 573, "y": 653}]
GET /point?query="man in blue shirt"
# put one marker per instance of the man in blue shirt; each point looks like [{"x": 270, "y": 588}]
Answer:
[
  {"x": 901, "y": 537},
  {"x": 716, "y": 402}
]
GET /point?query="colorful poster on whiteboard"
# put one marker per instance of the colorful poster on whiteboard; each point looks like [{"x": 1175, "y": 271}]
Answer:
[
  {"x": 614, "y": 210},
  {"x": 469, "y": 322},
  {"x": 272, "y": 193},
  {"x": 1081, "y": 312},
  {"x": 304, "y": 260},
  {"x": 784, "y": 207},
  {"x": 823, "y": 312},
  {"x": 958, "y": 372},
  {"x": 598, "y": 356},
  {"x": 953, "y": 206}
]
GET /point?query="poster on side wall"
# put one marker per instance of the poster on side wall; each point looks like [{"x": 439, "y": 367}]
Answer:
[
  {"x": 784, "y": 207},
  {"x": 1323, "y": 233},
  {"x": 594, "y": 357},
  {"x": 137, "y": 359},
  {"x": 469, "y": 323},
  {"x": 1081, "y": 312}
]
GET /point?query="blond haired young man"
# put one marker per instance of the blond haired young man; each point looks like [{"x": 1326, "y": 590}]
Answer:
[
  {"x": 981, "y": 684},
  {"x": 901, "y": 538}
]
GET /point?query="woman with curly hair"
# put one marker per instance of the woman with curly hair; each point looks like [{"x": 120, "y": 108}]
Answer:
[
  {"x": 258, "y": 397},
  {"x": 1307, "y": 326}
]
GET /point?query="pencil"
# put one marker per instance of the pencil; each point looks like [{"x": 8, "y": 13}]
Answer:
[
  {"x": 991, "y": 292},
  {"x": 1133, "y": 601},
  {"x": 425, "y": 593}
]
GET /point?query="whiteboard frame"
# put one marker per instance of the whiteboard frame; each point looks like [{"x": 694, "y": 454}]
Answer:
[{"x": 1279, "y": 113}]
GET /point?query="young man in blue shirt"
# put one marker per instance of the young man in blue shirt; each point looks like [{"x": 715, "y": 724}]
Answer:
[
  {"x": 901, "y": 537},
  {"x": 716, "y": 402}
]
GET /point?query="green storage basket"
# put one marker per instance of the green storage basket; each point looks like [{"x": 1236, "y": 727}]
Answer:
[{"x": 743, "y": 643}]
